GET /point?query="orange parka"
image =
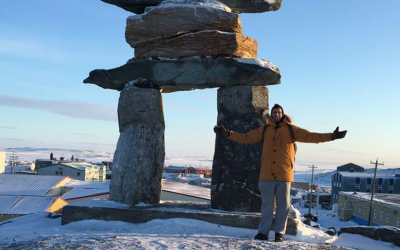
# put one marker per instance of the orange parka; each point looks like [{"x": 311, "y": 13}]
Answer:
[{"x": 278, "y": 154}]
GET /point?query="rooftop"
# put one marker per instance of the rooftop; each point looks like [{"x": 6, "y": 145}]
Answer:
[
  {"x": 392, "y": 199},
  {"x": 368, "y": 175},
  {"x": 18, "y": 204},
  {"x": 37, "y": 185}
]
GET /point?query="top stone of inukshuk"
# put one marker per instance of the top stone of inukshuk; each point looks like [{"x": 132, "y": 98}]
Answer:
[{"x": 189, "y": 44}]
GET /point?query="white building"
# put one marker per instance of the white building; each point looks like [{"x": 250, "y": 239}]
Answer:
[
  {"x": 76, "y": 170},
  {"x": 2, "y": 162}
]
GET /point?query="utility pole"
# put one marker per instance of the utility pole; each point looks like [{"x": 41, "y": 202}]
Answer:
[
  {"x": 316, "y": 212},
  {"x": 310, "y": 199},
  {"x": 14, "y": 159},
  {"x": 373, "y": 191}
]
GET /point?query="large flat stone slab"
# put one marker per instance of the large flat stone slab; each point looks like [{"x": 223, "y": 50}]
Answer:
[
  {"x": 112, "y": 211},
  {"x": 170, "y": 20},
  {"x": 238, "y": 6},
  {"x": 203, "y": 43},
  {"x": 188, "y": 73}
]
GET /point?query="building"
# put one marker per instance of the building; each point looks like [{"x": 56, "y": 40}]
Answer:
[
  {"x": 12, "y": 206},
  {"x": 188, "y": 170},
  {"x": 177, "y": 191},
  {"x": 77, "y": 190},
  {"x": 2, "y": 162},
  {"x": 26, "y": 194},
  {"x": 355, "y": 206},
  {"x": 350, "y": 167},
  {"x": 76, "y": 170},
  {"x": 362, "y": 182}
]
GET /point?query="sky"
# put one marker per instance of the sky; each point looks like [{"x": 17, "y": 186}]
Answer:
[{"x": 339, "y": 61}]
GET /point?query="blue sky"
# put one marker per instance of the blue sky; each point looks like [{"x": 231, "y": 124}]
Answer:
[{"x": 339, "y": 61}]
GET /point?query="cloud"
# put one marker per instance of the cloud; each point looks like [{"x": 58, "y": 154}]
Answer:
[
  {"x": 7, "y": 127},
  {"x": 75, "y": 109},
  {"x": 94, "y": 143},
  {"x": 81, "y": 134},
  {"x": 10, "y": 139},
  {"x": 32, "y": 50}
]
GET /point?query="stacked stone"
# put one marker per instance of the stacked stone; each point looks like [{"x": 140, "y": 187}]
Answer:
[{"x": 185, "y": 45}]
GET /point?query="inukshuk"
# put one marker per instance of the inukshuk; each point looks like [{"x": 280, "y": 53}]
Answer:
[{"x": 185, "y": 45}]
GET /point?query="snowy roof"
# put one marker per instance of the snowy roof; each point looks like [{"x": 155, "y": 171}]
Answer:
[
  {"x": 17, "y": 204},
  {"x": 77, "y": 193},
  {"x": 186, "y": 189},
  {"x": 88, "y": 184},
  {"x": 367, "y": 175},
  {"x": 176, "y": 168},
  {"x": 82, "y": 189},
  {"x": 15, "y": 184},
  {"x": 79, "y": 165},
  {"x": 392, "y": 199}
]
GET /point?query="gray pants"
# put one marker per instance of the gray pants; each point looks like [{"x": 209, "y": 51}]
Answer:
[{"x": 281, "y": 191}]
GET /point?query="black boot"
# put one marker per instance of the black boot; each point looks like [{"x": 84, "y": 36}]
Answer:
[
  {"x": 279, "y": 237},
  {"x": 261, "y": 237}
]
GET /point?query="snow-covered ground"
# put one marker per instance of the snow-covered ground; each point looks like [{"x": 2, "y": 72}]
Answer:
[{"x": 37, "y": 231}]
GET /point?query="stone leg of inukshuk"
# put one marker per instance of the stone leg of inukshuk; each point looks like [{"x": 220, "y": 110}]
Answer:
[
  {"x": 139, "y": 157},
  {"x": 184, "y": 45},
  {"x": 236, "y": 166}
]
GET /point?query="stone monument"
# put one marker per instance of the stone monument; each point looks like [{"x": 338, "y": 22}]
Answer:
[{"x": 183, "y": 45}]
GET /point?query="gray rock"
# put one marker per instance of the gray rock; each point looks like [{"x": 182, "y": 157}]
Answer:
[
  {"x": 139, "y": 157},
  {"x": 236, "y": 167},
  {"x": 188, "y": 73},
  {"x": 103, "y": 210},
  {"x": 171, "y": 20},
  {"x": 238, "y": 6},
  {"x": 203, "y": 43},
  {"x": 388, "y": 234}
]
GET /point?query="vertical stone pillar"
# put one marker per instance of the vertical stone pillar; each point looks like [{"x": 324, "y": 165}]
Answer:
[
  {"x": 139, "y": 157},
  {"x": 236, "y": 166}
]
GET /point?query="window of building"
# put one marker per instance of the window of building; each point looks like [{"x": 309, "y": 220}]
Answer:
[
  {"x": 359, "y": 210},
  {"x": 391, "y": 191},
  {"x": 379, "y": 190},
  {"x": 374, "y": 214},
  {"x": 56, "y": 172},
  {"x": 379, "y": 187},
  {"x": 61, "y": 173},
  {"x": 357, "y": 187},
  {"x": 391, "y": 182},
  {"x": 365, "y": 211},
  {"x": 78, "y": 174},
  {"x": 357, "y": 180},
  {"x": 381, "y": 217},
  {"x": 398, "y": 222},
  {"x": 390, "y": 187},
  {"x": 387, "y": 218},
  {"x": 369, "y": 181},
  {"x": 380, "y": 181}
]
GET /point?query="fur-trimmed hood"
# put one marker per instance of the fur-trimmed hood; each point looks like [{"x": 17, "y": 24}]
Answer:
[{"x": 267, "y": 119}]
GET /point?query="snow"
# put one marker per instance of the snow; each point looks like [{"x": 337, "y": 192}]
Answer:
[
  {"x": 259, "y": 62},
  {"x": 13, "y": 205},
  {"x": 211, "y": 4},
  {"x": 186, "y": 189},
  {"x": 77, "y": 193},
  {"x": 31, "y": 154},
  {"x": 28, "y": 184},
  {"x": 37, "y": 231}
]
